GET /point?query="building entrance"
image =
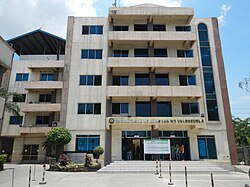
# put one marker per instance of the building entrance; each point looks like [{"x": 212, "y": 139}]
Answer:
[{"x": 133, "y": 145}]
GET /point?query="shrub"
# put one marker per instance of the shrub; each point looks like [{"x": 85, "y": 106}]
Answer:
[
  {"x": 98, "y": 151},
  {"x": 3, "y": 158}
]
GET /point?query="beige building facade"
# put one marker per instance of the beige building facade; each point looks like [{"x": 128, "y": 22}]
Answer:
[
  {"x": 146, "y": 72},
  {"x": 37, "y": 75}
]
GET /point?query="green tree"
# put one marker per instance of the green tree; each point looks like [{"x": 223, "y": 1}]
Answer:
[
  {"x": 9, "y": 105},
  {"x": 242, "y": 131},
  {"x": 56, "y": 139}
]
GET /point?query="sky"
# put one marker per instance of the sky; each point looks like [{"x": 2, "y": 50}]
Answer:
[{"x": 21, "y": 16}]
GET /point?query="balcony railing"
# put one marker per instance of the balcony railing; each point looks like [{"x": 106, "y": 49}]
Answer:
[
  {"x": 43, "y": 85},
  {"x": 154, "y": 91},
  {"x": 50, "y": 64},
  {"x": 154, "y": 62},
  {"x": 35, "y": 130},
  {"x": 41, "y": 107}
]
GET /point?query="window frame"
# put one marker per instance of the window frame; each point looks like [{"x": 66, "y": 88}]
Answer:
[
  {"x": 85, "y": 80},
  {"x": 16, "y": 120},
  {"x": 95, "y": 108},
  {"x": 189, "y": 106},
  {"x": 22, "y": 77},
  {"x": 98, "y": 29},
  {"x": 91, "y": 54}
]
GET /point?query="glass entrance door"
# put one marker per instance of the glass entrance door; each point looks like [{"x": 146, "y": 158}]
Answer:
[
  {"x": 30, "y": 152},
  {"x": 132, "y": 149}
]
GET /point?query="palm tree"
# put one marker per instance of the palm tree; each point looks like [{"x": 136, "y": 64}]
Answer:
[{"x": 9, "y": 105}]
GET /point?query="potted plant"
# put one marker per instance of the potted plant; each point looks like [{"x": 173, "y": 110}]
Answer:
[
  {"x": 97, "y": 152},
  {"x": 3, "y": 159}
]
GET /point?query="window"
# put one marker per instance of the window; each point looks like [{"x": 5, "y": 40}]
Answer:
[
  {"x": 120, "y": 108},
  {"x": 140, "y": 27},
  {"x": 120, "y": 53},
  {"x": 190, "y": 108},
  {"x": 160, "y": 53},
  {"x": 90, "y": 80},
  {"x": 120, "y": 80},
  {"x": 143, "y": 109},
  {"x": 212, "y": 110},
  {"x": 22, "y": 77},
  {"x": 164, "y": 109},
  {"x": 16, "y": 120},
  {"x": 207, "y": 147},
  {"x": 212, "y": 106},
  {"x": 161, "y": 79},
  {"x": 186, "y": 80},
  {"x": 141, "y": 52},
  {"x": 47, "y": 77},
  {"x": 87, "y": 143},
  {"x": 185, "y": 53},
  {"x": 45, "y": 98},
  {"x": 42, "y": 120},
  {"x": 120, "y": 28},
  {"x": 89, "y": 108},
  {"x": 92, "y": 29},
  {"x": 183, "y": 28},
  {"x": 91, "y": 54},
  {"x": 142, "y": 79},
  {"x": 20, "y": 98},
  {"x": 159, "y": 27}
]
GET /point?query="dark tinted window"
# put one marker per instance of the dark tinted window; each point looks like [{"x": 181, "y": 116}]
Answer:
[
  {"x": 160, "y": 53},
  {"x": 120, "y": 53},
  {"x": 92, "y": 29},
  {"x": 89, "y": 108},
  {"x": 22, "y": 77},
  {"x": 159, "y": 27},
  {"x": 42, "y": 120},
  {"x": 120, "y": 80},
  {"x": 120, "y": 28},
  {"x": 120, "y": 108},
  {"x": 141, "y": 52},
  {"x": 140, "y": 27},
  {"x": 47, "y": 77},
  {"x": 143, "y": 109},
  {"x": 142, "y": 79},
  {"x": 19, "y": 98},
  {"x": 212, "y": 107},
  {"x": 164, "y": 109},
  {"x": 161, "y": 79},
  {"x": 87, "y": 143},
  {"x": 186, "y": 80},
  {"x": 183, "y": 28},
  {"x": 45, "y": 98},
  {"x": 16, "y": 120},
  {"x": 91, "y": 54},
  {"x": 185, "y": 53},
  {"x": 97, "y": 108},
  {"x": 190, "y": 108}
]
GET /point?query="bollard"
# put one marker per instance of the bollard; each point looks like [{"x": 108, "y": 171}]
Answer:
[
  {"x": 160, "y": 171},
  {"x": 34, "y": 173},
  {"x": 156, "y": 168},
  {"x": 170, "y": 175},
  {"x": 29, "y": 176},
  {"x": 13, "y": 177},
  {"x": 186, "y": 176},
  {"x": 212, "y": 180},
  {"x": 43, "y": 178}
]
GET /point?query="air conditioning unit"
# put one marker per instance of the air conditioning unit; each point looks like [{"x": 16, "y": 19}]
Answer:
[{"x": 55, "y": 123}]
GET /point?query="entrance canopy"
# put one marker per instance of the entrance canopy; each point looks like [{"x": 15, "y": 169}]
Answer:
[{"x": 130, "y": 122}]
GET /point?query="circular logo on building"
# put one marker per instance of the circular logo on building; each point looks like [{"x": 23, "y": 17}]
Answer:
[{"x": 111, "y": 121}]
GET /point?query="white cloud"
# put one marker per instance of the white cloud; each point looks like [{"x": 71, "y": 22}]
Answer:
[
  {"x": 241, "y": 100},
  {"x": 223, "y": 11},
  {"x": 168, "y": 3},
  {"x": 18, "y": 16}
]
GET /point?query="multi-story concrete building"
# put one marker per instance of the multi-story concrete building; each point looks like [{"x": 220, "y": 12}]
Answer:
[
  {"x": 143, "y": 72},
  {"x": 37, "y": 75},
  {"x": 146, "y": 72}
]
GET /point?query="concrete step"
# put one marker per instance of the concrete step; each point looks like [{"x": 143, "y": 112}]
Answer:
[{"x": 150, "y": 167}]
